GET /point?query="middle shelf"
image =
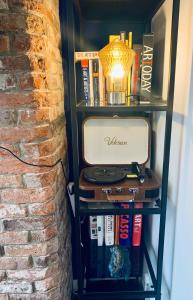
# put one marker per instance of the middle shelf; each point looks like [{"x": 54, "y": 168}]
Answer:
[{"x": 91, "y": 209}]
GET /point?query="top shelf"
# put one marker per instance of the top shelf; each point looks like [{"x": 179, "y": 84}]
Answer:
[
  {"x": 155, "y": 104},
  {"x": 117, "y": 9}
]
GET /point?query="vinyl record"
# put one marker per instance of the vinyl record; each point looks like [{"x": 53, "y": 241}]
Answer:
[{"x": 103, "y": 175}]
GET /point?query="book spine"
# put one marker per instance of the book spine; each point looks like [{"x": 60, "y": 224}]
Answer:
[
  {"x": 86, "y": 55},
  {"x": 92, "y": 255},
  {"x": 100, "y": 230},
  {"x": 109, "y": 230},
  {"x": 101, "y": 85},
  {"x": 116, "y": 230},
  {"x": 93, "y": 227},
  {"x": 130, "y": 43},
  {"x": 85, "y": 78},
  {"x": 95, "y": 72},
  {"x": 137, "y": 226},
  {"x": 136, "y": 70},
  {"x": 125, "y": 227},
  {"x": 147, "y": 63},
  {"x": 91, "y": 82}
]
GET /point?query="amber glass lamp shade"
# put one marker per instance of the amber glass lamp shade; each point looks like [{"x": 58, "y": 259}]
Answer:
[{"x": 116, "y": 59}]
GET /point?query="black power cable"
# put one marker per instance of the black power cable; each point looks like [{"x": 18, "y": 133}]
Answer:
[{"x": 36, "y": 165}]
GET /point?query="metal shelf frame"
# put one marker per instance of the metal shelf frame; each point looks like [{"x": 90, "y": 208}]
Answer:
[{"x": 72, "y": 109}]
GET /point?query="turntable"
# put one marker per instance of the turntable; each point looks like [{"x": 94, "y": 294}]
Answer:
[{"x": 117, "y": 150}]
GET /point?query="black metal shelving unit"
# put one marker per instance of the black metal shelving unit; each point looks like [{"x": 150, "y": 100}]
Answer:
[{"x": 136, "y": 14}]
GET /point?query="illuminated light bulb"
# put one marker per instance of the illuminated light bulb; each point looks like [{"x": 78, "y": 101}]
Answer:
[
  {"x": 116, "y": 59},
  {"x": 117, "y": 71}
]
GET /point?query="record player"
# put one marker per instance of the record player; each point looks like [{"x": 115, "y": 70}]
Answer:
[{"x": 116, "y": 151}]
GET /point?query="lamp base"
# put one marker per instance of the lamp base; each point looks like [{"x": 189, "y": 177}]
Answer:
[{"x": 116, "y": 98}]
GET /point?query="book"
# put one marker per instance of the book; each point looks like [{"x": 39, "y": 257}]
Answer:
[
  {"x": 109, "y": 230},
  {"x": 130, "y": 42},
  {"x": 136, "y": 70},
  {"x": 100, "y": 261},
  {"x": 85, "y": 79},
  {"x": 95, "y": 74},
  {"x": 91, "y": 82},
  {"x": 116, "y": 230},
  {"x": 85, "y": 55},
  {"x": 100, "y": 230},
  {"x": 147, "y": 64},
  {"x": 125, "y": 227},
  {"x": 101, "y": 85},
  {"x": 92, "y": 253},
  {"x": 137, "y": 226}
]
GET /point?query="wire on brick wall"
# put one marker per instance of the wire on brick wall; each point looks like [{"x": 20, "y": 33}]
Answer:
[{"x": 36, "y": 165}]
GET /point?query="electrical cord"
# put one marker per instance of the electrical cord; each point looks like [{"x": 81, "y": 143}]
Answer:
[{"x": 36, "y": 165}]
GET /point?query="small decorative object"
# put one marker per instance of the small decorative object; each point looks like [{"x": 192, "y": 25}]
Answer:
[
  {"x": 119, "y": 265},
  {"x": 116, "y": 59}
]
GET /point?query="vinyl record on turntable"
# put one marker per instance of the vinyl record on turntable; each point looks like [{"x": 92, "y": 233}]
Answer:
[{"x": 104, "y": 175}]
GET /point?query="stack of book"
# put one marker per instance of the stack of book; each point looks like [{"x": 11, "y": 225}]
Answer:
[
  {"x": 139, "y": 79},
  {"x": 107, "y": 232}
]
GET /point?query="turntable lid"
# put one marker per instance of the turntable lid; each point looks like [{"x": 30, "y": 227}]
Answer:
[{"x": 116, "y": 140}]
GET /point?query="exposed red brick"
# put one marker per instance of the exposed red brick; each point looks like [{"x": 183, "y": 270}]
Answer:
[
  {"x": 12, "y": 22},
  {"x": 42, "y": 209},
  {"x": 14, "y": 63},
  {"x": 12, "y": 237},
  {"x": 15, "y": 287},
  {"x": 34, "y": 116},
  {"x": 39, "y": 180},
  {"x": 17, "y": 134},
  {"x": 34, "y": 226},
  {"x": 32, "y": 81},
  {"x": 35, "y": 24},
  {"x": 4, "y": 42},
  {"x": 41, "y": 249},
  {"x": 31, "y": 100},
  {"x": 28, "y": 223},
  {"x": 7, "y": 82},
  {"x": 13, "y": 263},
  {"x": 44, "y": 261},
  {"x": 27, "y": 42},
  {"x": 44, "y": 235},
  {"x": 12, "y": 211},
  {"x": 32, "y": 274},
  {"x": 48, "y": 283},
  {"x": 18, "y": 196},
  {"x": 8, "y": 118},
  {"x": 10, "y": 181}
]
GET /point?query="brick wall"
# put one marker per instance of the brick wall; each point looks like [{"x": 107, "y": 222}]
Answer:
[{"x": 34, "y": 225}]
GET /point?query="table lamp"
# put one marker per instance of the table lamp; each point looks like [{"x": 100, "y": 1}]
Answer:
[{"x": 116, "y": 59}]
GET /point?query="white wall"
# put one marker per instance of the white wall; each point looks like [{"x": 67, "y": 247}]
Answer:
[{"x": 175, "y": 222}]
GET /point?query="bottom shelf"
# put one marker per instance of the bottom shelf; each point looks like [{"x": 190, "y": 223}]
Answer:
[{"x": 110, "y": 285}]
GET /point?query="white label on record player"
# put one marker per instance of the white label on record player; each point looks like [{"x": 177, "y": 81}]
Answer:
[{"x": 116, "y": 141}]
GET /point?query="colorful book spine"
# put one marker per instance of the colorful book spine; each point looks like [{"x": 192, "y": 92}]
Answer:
[
  {"x": 95, "y": 73},
  {"x": 136, "y": 70},
  {"x": 85, "y": 78},
  {"x": 109, "y": 230},
  {"x": 125, "y": 227},
  {"x": 147, "y": 64},
  {"x": 137, "y": 226}
]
